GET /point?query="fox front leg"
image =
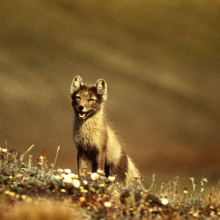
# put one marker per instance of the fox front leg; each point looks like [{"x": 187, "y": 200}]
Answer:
[
  {"x": 101, "y": 161},
  {"x": 81, "y": 162}
]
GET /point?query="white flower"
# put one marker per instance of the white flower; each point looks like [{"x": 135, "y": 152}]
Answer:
[
  {"x": 107, "y": 204},
  {"x": 72, "y": 175},
  {"x": 58, "y": 177},
  {"x": 76, "y": 183},
  {"x": 85, "y": 182},
  {"x": 164, "y": 201},
  {"x": 67, "y": 171},
  {"x": 67, "y": 179},
  {"x": 41, "y": 159},
  {"x": 100, "y": 171},
  {"x": 4, "y": 150},
  {"x": 94, "y": 176},
  {"x": 204, "y": 180},
  {"x": 63, "y": 175},
  {"x": 111, "y": 178},
  {"x": 60, "y": 170}
]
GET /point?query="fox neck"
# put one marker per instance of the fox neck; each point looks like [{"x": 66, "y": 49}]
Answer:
[{"x": 90, "y": 133}]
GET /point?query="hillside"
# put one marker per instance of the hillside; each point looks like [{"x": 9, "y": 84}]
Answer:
[{"x": 161, "y": 63}]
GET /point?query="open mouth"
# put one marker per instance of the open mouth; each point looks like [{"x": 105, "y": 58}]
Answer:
[{"x": 83, "y": 115}]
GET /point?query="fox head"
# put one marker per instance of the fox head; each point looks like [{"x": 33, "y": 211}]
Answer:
[{"x": 87, "y": 100}]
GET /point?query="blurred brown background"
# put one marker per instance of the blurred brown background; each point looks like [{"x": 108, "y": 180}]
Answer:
[{"x": 161, "y": 61}]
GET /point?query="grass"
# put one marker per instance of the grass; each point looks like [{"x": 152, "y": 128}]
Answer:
[{"x": 41, "y": 192}]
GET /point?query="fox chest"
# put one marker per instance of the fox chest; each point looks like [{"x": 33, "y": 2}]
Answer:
[{"x": 89, "y": 138}]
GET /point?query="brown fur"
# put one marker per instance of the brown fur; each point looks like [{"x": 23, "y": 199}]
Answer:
[{"x": 121, "y": 168}]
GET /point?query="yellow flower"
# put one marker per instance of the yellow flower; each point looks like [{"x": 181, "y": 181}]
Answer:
[
  {"x": 212, "y": 213},
  {"x": 12, "y": 194},
  {"x": 63, "y": 190},
  {"x": 82, "y": 199},
  {"x": 116, "y": 194},
  {"x": 195, "y": 215},
  {"x": 6, "y": 192},
  {"x": 92, "y": 189},
  {"x": 23, "y": 197}
]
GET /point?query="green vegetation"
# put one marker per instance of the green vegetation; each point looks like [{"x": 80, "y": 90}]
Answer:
[{"x": 41, "y": 192}]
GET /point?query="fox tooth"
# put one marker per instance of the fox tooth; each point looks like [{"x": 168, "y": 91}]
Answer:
[{"x": 82, "y": 115}]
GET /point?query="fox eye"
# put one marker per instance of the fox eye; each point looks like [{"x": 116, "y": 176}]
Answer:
[
  {"x": 77, "y": 97},
  {"x": 92, "y": 99}
]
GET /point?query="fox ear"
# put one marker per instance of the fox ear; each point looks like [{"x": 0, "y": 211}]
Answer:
[
  {"x": 76, "y": 83},
  {"x": 101, "y": 87}
]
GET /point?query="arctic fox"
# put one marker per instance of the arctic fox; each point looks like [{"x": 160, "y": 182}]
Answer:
[{"x": 95, "y": 140}]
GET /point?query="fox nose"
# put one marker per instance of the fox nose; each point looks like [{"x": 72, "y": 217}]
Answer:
[{"x": 81, "y": 107}]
